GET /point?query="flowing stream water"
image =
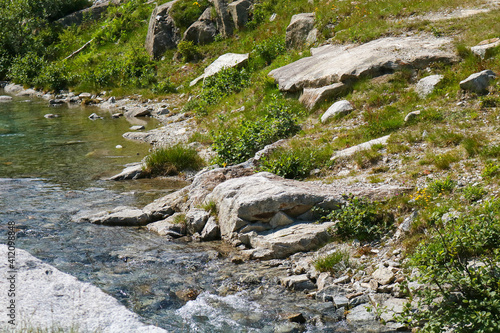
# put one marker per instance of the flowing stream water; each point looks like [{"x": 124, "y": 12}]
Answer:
[{"x": 51, "y": 169}]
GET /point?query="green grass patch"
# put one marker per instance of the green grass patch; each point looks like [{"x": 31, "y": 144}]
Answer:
[
  {"x": 335, "y": 262},
  {"x": 168, "y": 161}
]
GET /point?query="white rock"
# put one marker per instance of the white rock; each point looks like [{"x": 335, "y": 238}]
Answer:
[
  {"x": 426, "y": 85},
  {"x": 338, "y": 108},
  {"x": 227, "y": 60},
  {"x": 482, "y": 48}
]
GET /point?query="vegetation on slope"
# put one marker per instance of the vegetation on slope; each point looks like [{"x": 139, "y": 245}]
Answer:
[{"x": 449, "y": 154}]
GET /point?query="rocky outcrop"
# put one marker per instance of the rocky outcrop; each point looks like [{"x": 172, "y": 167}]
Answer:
[
  {"x": 426, "y": 85},
  {"x": 300, "y": 237},
  {"x": 482, "y": 49},
  {"x": 225, "y": 24},
  {"x": 227, "y": 60},
  {"x": 251, "y": 203},
  {"x": 239, "y": 10},
  {"x": 126, "y": 216},
  {"x": 133, "y": 171},
  {"x": 339, "y": 108},
  {"x": 203, "y": 31},
  {"x": 311, "y": 97},
  {"x": 47, "y": 298},
  {"x": 362, "y": 146},
  {"x": 92, "y": 13},
  {"x": 478, "y": 82},
  {"x": 298, "y": 30},
  {"x": 162, "y": 32},
  {"x": 344, "y": 63}
]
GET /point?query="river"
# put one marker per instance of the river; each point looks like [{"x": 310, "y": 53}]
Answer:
[{"x": 53, "y": 168}]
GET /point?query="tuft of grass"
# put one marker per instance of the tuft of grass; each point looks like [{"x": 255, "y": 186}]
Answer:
[
  {"x": 168, "y": 161},
  {"x": 210, "y": 207},
  {"x": 337, "y": 261},
  {"x": 179, "y": 219},
  {"x": 491, "y": 170},
  {"x": 473, "y": 193}
]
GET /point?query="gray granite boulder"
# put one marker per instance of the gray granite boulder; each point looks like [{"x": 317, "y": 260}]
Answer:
[
  {"x": 123, "y": 215},
  {"x": 311, "y": 97},
  {"x": 426, "y": 85},
  {"x": 478, "y": 82},
  {"x": 225, "y": 24},
  {"x": 132, "y": 171},
  {"x": 338, "y": 108},
  {"x": 47, "y": 298},
  {"x": 258, "y": 198},
  {"x": 298, "y": 30},
  {"x": 203, "y": 31},
  {"x": 239, "y": 10},
  {"x": 227, "y": 60},
  {"x": 162, "y": 32},
  {"x": 482, "y": 49},
  {"x": 344, "y": 63}
]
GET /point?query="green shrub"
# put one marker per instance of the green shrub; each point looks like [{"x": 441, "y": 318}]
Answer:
[
  {"x": 25, "y": 69},
  {"x": 239, "y": 143},
  {"x": 360, "y": 219},
  {"x": 53, "y": 77},
  {"x": 474, "y": 193},
  {"x": 459, "y": 269},
  {"x": 188, "y": 50},
  {"x": 491, "y": 170},
  {"x": 164, "y": 87},
  {"x": 270, "y": 48},
  {"x": 335, "y": 262},
  {"x": 441, "y": 186},
  {"x": 294, "y": 163},
  {"x": 186, "y": 12},
  {"x": 169, "y": 161}
]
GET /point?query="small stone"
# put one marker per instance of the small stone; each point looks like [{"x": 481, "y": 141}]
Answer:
[
  {"x": 383, "y": 275},
  {"x": 342, "y": 279},
  {"x": 119, "y": 147},
  {"x": 426, "y": 85},
  {"x": 296, "y": 318},
  {"x": 484, "y": 47},
  {"x": 84, "y": 95},
  {"x": 117, "y": 115},
  {"x": 50, "y": 115},
  {"x": 94, "y": 116},
  {"x": 137, "y": 128},
  {"x": 162, "y": 112},
  {"x": 5, "y": 98},
  {"x": 297, "y": 282},
  {"x": 340, "y": 301}
]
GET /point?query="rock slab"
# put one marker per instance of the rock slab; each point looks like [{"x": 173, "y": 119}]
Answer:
[
  {"x": 344, "y": 63},
  {"x": 338, "y": 108},
  {"x": 227, "y": 60},
  {"x": 48, "y": 298}
]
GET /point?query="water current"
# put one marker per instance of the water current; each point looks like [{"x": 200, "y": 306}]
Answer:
[{"x": 53, "y": 168}]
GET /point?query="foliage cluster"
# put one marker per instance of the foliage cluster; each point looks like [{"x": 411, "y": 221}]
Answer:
[
  {"x": 168, "y": 161},
  {"x": 217, "y": 87},
  {"x": 360, "y": 219},
  {"x": 335, "y": 262},
  {"x": 240, "y": 142},
  {"x": 270, "y": 48},
  {"x": 461, "y": 266},
  {"x": 186, "y": 12},
  {"x": 294, "y": 163}
]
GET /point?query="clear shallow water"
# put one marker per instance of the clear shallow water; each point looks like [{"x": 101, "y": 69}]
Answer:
[{"x": 50, "y": 169}]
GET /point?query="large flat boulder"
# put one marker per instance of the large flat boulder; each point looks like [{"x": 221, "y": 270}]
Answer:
[
  {"x": 344, "y": 63},
  {"x": 254, "y": 201},
  {"x": 47, "y": 298},
  {"x": 300, "y": 237}
]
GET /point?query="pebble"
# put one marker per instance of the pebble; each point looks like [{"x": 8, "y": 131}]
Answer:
[{"x": 119, "y": 147}]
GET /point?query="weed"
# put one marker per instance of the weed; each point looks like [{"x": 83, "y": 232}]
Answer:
[
  {"x": 179, "y": 219},
  {"x": 211, "y": 207},
  {"x": 473, "y": 193},
  {"x": 270, "y": 48},
  {"x": 188, "y": 50},
  {"x": 473, "y": 144},
  {"x": 169, "y": 161},
  {"x": 335, "y": 262},
  {"x": 441, "y": 186},
  {"x": 186, "y": 12},
  {"x": 367, "y": 157},
  {"x": 360, "y": 219},
  {"x": 164, "y": 87},
  {"x": 491, "y": 170}
]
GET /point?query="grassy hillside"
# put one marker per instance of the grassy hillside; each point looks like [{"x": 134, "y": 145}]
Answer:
[{"x": 449, "y": 155}]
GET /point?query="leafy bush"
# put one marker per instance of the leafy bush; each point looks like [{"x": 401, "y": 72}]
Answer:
[
  {"x": 294, "y": 163},
  {"x": 53, "y": 77},
  {"x": 239, "y": 143},
  {"x": 460, "y": 270},
  {"x": 25, "y": 69},
  {"x": 337, "y": 261},
  {"x": 164, "y": 87},
  {"x": 188, "y": 50},
  {"x": 474, "y": 193},
  {"x": 270, "y": 48},
  {"x": 442, "y": 186},
  {"x": 360, "y": 219},
  {"x": 169, "y": 161},
  {"x": 186, "y": 12},
  {"x": 491, "y": 170},
  {"x": 217, "y": 87}
]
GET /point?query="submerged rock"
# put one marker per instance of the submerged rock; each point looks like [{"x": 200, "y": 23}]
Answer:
[{"x": 125, "y": 216}]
